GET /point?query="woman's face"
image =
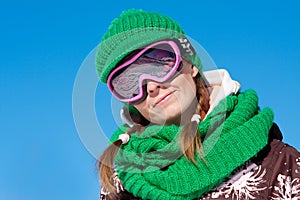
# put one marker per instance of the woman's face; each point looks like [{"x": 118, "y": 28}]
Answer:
[{"x": 166, "y": 102}]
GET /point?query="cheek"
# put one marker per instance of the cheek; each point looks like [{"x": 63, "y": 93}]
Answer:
[
  {"x": 188, "y": 86},
  {"x": 188, "y": 93},
  {"x": 142, "y": 108}
]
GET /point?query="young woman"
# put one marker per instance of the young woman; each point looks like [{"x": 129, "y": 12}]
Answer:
[{"x": 188, "y": 134}]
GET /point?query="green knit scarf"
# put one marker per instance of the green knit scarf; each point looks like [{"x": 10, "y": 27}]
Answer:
[{"x": 151, "y": 165}]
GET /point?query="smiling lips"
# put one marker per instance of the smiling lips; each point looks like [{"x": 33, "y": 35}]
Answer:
[{"x": 163, "y": 98}]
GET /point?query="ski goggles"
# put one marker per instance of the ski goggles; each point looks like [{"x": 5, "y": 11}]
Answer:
[{"x": 157, "y": 62}]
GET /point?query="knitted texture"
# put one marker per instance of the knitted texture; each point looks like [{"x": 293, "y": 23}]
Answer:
[
  {"x": 151, "y": 165},
  {"x": 135, "y": 29}
]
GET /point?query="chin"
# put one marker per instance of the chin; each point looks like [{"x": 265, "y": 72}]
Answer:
[{"x": 163, "y": 116}]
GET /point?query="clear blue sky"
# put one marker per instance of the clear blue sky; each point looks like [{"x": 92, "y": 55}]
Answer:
[{"x": 44, "y": 43}]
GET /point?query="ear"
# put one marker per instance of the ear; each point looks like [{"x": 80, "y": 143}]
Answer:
[{"x": 194, "y": 71}]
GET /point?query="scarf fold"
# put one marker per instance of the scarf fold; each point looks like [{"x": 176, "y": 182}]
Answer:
[{"x": 151, "y": 164}]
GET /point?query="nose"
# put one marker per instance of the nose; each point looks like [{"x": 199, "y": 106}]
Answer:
[{"x": 153, "y": 88}]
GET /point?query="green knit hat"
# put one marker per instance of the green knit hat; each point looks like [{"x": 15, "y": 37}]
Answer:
[{"x": 134, "y": 29}]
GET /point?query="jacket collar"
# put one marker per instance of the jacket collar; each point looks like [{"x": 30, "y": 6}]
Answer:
[{"x": 221, "y": 85}]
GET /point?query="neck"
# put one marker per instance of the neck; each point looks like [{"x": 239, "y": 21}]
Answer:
[{"x": 186, "y": 116}]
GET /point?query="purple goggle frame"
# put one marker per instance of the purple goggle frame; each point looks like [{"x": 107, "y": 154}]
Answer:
[{"x": 126, "y": 82}]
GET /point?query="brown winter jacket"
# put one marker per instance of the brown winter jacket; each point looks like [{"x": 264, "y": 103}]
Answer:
[{"x": 274, "y": 173}]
